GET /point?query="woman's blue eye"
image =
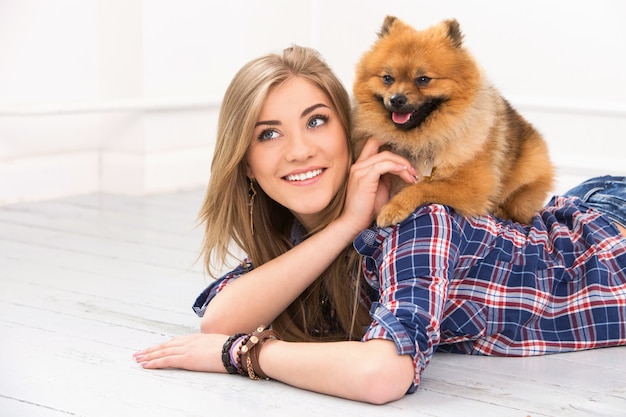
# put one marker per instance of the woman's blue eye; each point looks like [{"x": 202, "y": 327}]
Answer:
[
  {"x": 268, "y": 134},
  {"x": 317, "y": 120}
]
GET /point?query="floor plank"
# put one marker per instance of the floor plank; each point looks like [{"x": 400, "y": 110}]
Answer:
[{"x": 85, "y": 281}]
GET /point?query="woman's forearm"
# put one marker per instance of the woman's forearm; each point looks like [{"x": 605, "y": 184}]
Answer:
[
  {"x": 369, "y": 371},
  {"x": 259, "y": 296}
]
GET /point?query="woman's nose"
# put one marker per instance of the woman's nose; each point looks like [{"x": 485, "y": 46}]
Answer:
[{"x": 299, "y": 147}]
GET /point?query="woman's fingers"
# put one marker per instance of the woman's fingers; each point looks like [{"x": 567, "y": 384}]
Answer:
[
  {"x": 158, "y": 349},
  {"x": 198, "y": 352},
  {"x": 369, "y": 183},
  {"x": 163, "y": 355},
  {"x": 370, "y": 148},
  {"x": 379, "y": 163},
  {"x": 161, "y": 359},
  {"x": 385, "y": 163}
]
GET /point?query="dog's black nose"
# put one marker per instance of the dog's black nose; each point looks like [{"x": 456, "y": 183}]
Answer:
[{"x": 398, "y": 100}]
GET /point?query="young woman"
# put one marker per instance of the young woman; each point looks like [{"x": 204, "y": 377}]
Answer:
[{"x": 363, "y": 324}]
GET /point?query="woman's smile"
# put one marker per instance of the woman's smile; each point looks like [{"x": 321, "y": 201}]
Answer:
[{"x": 304, "y": 176}]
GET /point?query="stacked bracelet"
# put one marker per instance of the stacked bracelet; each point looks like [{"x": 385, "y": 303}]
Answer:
[
  {"x": 250, "y": 349},
  {"x": 242, "y": 371},
  {"x": 226, "y": 360}
]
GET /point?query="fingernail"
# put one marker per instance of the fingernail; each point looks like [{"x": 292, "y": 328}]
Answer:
[{"x": 138, "y": 357}]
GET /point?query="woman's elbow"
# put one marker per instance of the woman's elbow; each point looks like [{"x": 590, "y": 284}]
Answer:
[
  {"x": 389, "y": 379},
  {"x": 205, "y": 325},
  {"x": 216, "y": 323},
  {"x": 209, "y": 323}
]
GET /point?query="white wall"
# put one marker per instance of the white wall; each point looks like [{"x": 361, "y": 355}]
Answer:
[{"x": 122, "y": 95}]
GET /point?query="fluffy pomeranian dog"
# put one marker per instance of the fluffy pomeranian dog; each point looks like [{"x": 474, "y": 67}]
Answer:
[{"x": 423, "y": 94}]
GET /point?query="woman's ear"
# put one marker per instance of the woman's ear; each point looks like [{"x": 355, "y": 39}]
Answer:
[{"x": 249, "y": 172}]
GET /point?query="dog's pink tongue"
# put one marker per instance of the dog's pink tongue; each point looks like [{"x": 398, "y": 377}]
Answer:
[{"x": 400, "y": 118}]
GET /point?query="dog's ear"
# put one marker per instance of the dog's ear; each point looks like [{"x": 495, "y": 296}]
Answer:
[
  {"x": 387, "y": 24},
  {"x": 454, "y": 33}
]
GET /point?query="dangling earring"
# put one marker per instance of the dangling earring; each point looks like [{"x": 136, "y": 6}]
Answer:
[{"x": 251, "y": 195}]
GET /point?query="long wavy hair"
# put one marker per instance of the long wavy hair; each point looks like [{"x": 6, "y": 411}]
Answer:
[{"x": 329, "y": 309}]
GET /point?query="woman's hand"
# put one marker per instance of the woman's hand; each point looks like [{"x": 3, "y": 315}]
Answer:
[
  {"x": 369, "y": 183},
  {"x": 197, "y": 352}
]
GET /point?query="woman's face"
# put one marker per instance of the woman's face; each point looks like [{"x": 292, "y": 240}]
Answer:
[{"x": 299, "y": 151}]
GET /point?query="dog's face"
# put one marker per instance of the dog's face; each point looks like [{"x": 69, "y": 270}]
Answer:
[{"x": 411, "y": 81}]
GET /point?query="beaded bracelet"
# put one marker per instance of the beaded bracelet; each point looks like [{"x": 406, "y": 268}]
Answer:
[
  {"x": 250, "y": 352},
  {"x": 230, "y": 368},
  {"x": 242, "y": 371},
  {"x": 235, "y": 359}
]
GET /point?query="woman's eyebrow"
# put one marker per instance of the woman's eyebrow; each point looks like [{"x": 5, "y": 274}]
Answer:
[
  {"x": 313, "y": 107},
  {"x": 267, "y": 122},
  {"x": 305, "y": 112}
]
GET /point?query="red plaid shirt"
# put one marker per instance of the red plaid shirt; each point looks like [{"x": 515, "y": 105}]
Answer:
[{"x": 483, "y": 286}]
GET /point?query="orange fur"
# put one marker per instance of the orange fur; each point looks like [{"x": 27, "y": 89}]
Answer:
[{"x": 487, "y": 158}]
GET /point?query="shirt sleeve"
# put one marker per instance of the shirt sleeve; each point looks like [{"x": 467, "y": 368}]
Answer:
[
  {"x": 205, "y": 297},
  {"x": 413, "y": 269}
]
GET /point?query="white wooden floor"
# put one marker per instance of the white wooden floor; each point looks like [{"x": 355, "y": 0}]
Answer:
[{"x": 86, "y": 281}]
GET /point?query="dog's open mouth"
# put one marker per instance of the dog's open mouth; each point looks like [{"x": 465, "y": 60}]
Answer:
[
  {"x": 413, "y": 119},
  {"x": 400, "y": 118}
]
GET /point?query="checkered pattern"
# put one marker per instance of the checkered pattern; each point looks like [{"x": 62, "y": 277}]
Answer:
[{"x": 483, "y": 286}]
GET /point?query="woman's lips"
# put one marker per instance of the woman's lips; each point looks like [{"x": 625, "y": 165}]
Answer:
[{"x": 303, "y": 176}]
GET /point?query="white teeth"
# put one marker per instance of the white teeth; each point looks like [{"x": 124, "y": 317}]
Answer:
[{"x": 304, "y": 175}]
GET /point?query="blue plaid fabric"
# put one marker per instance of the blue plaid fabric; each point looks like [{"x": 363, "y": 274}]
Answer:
[{"x": 484, "y": 286}]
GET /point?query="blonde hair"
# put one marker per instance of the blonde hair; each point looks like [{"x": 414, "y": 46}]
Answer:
[{"x": 225, "y": 210}]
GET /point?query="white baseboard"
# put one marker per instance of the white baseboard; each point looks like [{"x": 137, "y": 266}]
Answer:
[
  {"x": 48, "y": 176},
  {"x": 156, "y": 172},
  {"x": 64, "y": 174}
]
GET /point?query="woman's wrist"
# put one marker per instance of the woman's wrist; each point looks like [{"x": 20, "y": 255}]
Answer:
[
  {"x": 240, "y": 352},
  {"x": 347, "y": 228},
  {"x": 231, "y": 346}
]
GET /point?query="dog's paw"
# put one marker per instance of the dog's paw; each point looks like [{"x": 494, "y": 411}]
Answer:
[{"x": 391, "y": 214}]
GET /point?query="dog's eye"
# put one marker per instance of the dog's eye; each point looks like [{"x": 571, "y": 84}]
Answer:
[
  {"x": 422, "y": 81},
  {"x": 388, "y": 79}
]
